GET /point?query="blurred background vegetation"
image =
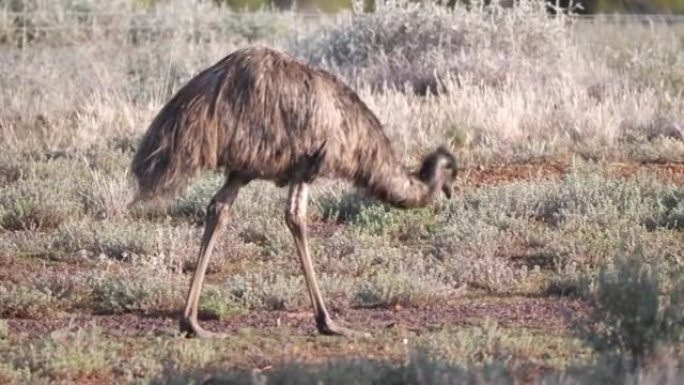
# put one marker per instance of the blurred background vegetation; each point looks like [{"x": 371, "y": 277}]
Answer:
[{"x": 587, "y": 6}]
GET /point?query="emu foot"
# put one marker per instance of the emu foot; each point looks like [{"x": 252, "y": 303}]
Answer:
[
  {"x": 192, "y": 329},
  {"x": 332, "y": 329}
]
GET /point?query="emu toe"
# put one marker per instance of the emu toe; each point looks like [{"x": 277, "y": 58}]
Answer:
[
  {"x": 332, "y": 329},
  {"x": 192, "y": 329}
]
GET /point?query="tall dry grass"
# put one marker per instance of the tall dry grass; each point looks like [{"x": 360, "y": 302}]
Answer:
[{"x": 511, "y": 83}]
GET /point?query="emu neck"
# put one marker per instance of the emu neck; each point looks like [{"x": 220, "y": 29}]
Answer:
[{"x": 388, "y": 180}]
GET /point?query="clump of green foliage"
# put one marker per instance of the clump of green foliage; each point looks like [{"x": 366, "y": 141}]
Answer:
[
  {"x": 64, "y": 355},
  {"x": 390, "y": 290},
  {"x": 639, "y": 307},
  {"x": 420, "y": 368},
  {"x": 216, "y": 304},
  {"x": 144, "y": 289},
  {"x": 27, "y": 302},
  {"x": 369, "y": 216},
  {"x": 37, "y": 205},
  {"x": 117, "y": 240},
  {"x": 119, "y": 294}
]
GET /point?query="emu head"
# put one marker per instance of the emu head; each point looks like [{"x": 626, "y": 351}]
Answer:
[{"x": 439, "y": 170}]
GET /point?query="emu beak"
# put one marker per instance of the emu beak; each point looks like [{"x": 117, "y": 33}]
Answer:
[{"x": 447, "y": 191}]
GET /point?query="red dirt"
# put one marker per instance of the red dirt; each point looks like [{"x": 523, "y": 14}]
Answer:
[
  {"x": 667, "y": 172},
  {"x": 514, "y": 172},
  {"x": 531, "y": 313}
]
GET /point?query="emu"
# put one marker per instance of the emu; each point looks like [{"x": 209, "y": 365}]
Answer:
[{"x": 262, "y": 114}]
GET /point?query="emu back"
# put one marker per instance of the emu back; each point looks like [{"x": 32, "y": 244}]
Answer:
[{"x": 261, "y": 113}]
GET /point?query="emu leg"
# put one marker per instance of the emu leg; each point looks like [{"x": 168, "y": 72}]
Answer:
[
  {"x": 296, "y": 221},
  {"x": 218, "y": 213}
]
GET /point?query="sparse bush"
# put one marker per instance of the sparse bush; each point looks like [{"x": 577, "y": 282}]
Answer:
[
  {"x": 420, "y": 368},
  {"x": 620, "y": 369},
  {"x": 518, "y": 80},
  {"x": 457, "y": 137},
  {"x": 64, "y": 355},
  {"x": 271, "y": 289},
  {"x": 122, "y": 20},
  {"x": 576, "y": 286},
  {"x": 38, "y": 205},
  {"x": 216, "y": 304},
  {"x": 344, "y": 208},
  {"x": 122, "y": 243},
  {"x": 120, "y": 240},
  {"x": 140, "y": 290},
  {"x": 390, "y": 290},
  {"x": 131, "y": 292},
  {"x": 117, "y": 294},
  {"x": 242, "y": 292},
  {"x": 595, "y": 197},
  {"x": 371, "y": 216},
  {"x": 109, "y": 190},
  {"x": 45, "y": 193},
  {"x": 10, "y": 172},
  {"x": 273, "y": 239},
  {"x": 670, "y": 214},
  {"x": 634, "y": 313},
  {"x": 193, "y": 203},
  {"x": 280, "y": 292},
  {"x": 420, "y": 45},
  {"x": 27, "y": 302},
  {"x": 376, "y": 219}
]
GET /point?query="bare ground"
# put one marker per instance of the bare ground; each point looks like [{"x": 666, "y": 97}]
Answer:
[{"x": 532, "y": 313}]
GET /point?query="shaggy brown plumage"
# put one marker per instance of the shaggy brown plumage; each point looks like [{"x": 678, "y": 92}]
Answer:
[{"x": 261, "y": 114}]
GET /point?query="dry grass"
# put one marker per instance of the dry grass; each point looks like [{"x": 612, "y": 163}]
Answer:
[
  {"x": 81, "y": 85},
  {"x": 515, "y": 84}
]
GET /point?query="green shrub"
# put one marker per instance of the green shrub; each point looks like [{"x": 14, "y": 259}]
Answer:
[
  {"x": 64, "y": 355},
  {"x": 420, "y": 368},
  {"x": 372, "y": 217},
  {"x": 117, "y": 294},
  {"x": 38, "y": 205},
  {"x": 27, "y": 302},
  {"x": 216, "y": 304},
  {"x": 118, "y": 240},
  {"x": 44, "y": 194},
  {"x": 332, "y": 207},
  {"x": 10, "y": 172},
  {"x": 637, "y": 308},
  {"x": 390, "y": 290},
  {"x": 670, "y": 214},
  {"x": 193, "y": 203},
  {"x": 143, "y": 289}
]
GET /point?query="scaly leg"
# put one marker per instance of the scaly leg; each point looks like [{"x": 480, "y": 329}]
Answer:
[
  {"x": 218, "y": 213},
  {"x": 296, "y": 221}
]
